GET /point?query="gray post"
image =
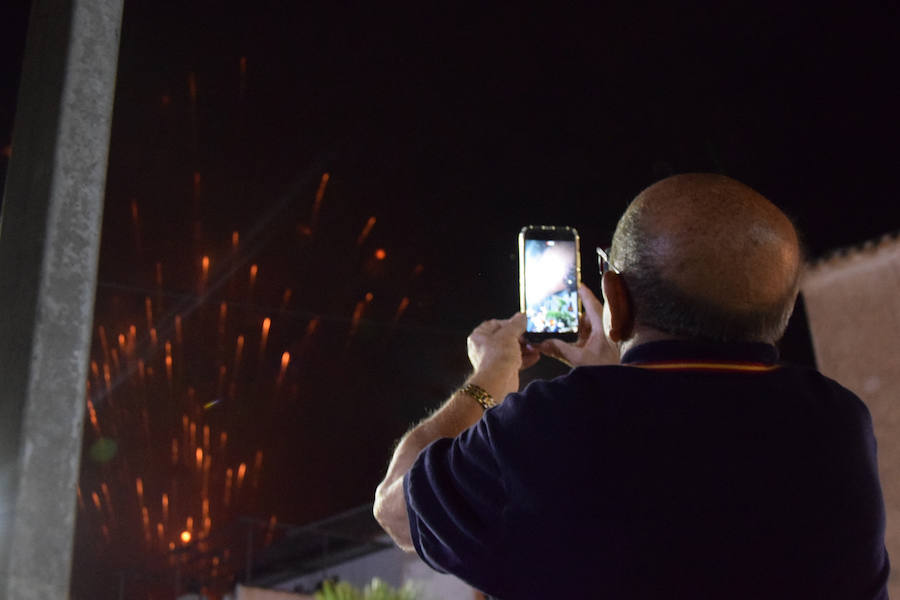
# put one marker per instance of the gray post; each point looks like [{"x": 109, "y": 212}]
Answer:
[{"x": 49, "y": 242}]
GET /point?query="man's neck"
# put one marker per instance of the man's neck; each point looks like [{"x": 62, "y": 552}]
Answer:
[{"x": 643, "y": 335}]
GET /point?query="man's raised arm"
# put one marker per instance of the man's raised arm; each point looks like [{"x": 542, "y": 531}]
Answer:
[{"x": 497, "y": 356}]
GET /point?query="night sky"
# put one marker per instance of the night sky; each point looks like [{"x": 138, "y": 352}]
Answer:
[{"x": 452, "y": 128}]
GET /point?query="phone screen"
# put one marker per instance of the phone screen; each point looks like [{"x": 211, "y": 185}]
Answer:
[{"x": 551, "y": 285}]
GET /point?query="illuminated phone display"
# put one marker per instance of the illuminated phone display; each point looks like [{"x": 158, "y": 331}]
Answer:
[{"x": 550, "y": 275}]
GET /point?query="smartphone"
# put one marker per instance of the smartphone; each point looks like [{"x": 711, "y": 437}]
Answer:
[{"x": 549, "y": 274}]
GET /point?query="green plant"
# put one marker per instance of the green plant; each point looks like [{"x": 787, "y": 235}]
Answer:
[{"x": 376, "y": 590}]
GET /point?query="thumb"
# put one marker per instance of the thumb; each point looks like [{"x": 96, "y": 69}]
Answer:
[
  {"x": 515, "y": 325},
  {"x": 559, "y": 350}
]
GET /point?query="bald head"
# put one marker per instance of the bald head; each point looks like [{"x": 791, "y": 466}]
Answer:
[{"x": 706, "y": 256}]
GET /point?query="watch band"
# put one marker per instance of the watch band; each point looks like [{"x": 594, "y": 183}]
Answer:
[{"x": 482, "y": 397}]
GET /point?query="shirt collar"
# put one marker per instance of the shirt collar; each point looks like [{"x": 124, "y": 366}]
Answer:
[{"x": 691, "y": 354}]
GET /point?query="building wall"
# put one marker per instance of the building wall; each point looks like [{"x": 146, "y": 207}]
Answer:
[{"x": 853, "y": 307}]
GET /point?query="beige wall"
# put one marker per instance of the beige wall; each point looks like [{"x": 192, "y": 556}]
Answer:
[{"x": 853, "y": 305}]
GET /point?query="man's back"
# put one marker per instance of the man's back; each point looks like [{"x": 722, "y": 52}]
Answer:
[{"x": 694, "y": 471}]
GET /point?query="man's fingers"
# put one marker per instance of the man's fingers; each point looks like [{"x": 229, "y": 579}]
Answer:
[
  {"x": 593, "y": 308},
  {"x": 530, "y": 355},
  {"x": 559, "y": 350},
  {"x": 488, "y": 326},
  {"x": 515, "y": 325}
]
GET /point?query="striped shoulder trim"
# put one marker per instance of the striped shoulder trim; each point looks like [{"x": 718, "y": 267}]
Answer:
[{"x": 738, "y": 367}]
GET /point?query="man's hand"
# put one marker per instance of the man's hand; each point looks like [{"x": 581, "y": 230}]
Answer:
[
  {"x": 592, "y": 347},
  {"x": 497, "y": 353}
]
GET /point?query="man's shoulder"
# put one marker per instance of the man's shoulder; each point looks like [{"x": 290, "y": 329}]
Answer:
[{"x": 828, "y": 393}]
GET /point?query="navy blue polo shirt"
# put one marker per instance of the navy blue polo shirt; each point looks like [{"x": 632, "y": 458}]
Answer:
[{"x": 690, "y": 471}]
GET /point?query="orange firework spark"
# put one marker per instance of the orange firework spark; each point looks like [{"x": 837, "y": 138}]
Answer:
[
  {"x": 96, "y": 500},
  {"x": 93, "y": 417},
  {"x": 242, "y": 470},
  {"x": 105, "y": 489},
  {"x": 139, "y": 486},
  {"x": 285, "y": 360},
  {"x": 223, "y": 315},
  {"x": 148, "y": 308},
  {"x": 235, "y": 239},
  {"x": 179, "y": 331},
  {"x": 286, "y": 298},
  {"x": 153, "y": 339},
  {"x": 257, "y": 467},
  {"x": 380, "y": 254},
  {"x": 365, "y": 231},
  {"x": 238, "y": 350},
  {"x": 220, "y": 388},
  {"x": 80, "y": 498},
  {"x": 103, "y": 343},
  {"x": 358, "y": 313},
  {"x": 207, "y": 464},
  {"x": 320, "y": 193},
  {"x": 204, "y": 272},
  {"x": 254, "y": 269},
  {"x": 165, "y": 507},
  {"x": 312, "y": 326},
  {"x": 270, "y": 530},
  {"x": 223, "y": 439},
  {"x": 229, "y": 474},
  {"x": 401, "y": 308},
  {"x": 266, "y": 324},
  {"x": 199, "y": 454}
]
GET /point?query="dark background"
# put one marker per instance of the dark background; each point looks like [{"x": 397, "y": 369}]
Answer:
[{"x": 454, "y": 128}]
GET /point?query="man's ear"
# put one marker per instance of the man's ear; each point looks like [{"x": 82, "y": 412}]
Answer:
[{"x": 618, "y": 303}]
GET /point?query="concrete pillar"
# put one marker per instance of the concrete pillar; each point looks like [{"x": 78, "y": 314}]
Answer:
[
  {"x": 853, "y": 307},
  {"x": 49, "y": 243}
]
